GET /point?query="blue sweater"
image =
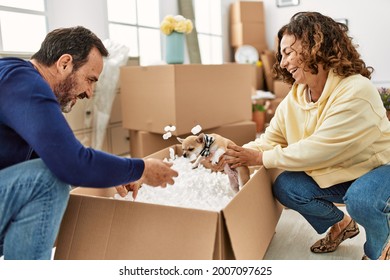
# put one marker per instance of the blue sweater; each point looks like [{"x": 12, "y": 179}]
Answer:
[{"x": 32, "y": 125}]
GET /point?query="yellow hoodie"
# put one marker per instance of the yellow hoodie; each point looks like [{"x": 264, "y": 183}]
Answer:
[{"x": 342, "y": 136}]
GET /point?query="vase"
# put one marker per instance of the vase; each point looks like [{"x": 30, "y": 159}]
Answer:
[
  {"x": 174, "y": 48},
  {"x": 259, "y": 118}
]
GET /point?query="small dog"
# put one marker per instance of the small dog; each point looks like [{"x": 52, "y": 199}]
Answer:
[{"x": 213, "y": 144}]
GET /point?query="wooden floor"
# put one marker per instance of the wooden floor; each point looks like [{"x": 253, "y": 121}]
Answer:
[{"x": 294, "y": 236}]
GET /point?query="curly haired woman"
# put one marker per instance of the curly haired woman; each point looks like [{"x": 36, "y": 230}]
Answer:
[{"x": 330, "y": 136}]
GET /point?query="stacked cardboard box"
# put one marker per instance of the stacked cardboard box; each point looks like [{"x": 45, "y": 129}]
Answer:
[
  {"x": 247, "y": 27},
  {"x": 247, "y": 24},
  {"x": 96, "y": 226}
]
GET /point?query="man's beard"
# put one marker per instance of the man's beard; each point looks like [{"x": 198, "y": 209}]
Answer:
[{"x": 63, "y": 93}]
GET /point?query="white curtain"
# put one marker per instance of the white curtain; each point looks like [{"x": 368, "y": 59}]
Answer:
[{"x": 106, "y": 89}]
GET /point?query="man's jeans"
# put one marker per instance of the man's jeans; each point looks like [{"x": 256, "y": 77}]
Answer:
[
  {"x": 367, "y": 201},
  {"x": 32, "y": 204}
]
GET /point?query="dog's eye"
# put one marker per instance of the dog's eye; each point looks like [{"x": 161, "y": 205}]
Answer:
[{"x": 191, "y": 149}]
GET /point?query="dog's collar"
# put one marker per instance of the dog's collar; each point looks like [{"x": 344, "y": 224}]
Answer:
[{"x": 208, "y": 141}]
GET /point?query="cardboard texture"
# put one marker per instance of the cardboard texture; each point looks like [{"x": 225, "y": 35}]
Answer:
[
  {"x": 268, "y": 58},
  {"x": 95, "y": 226},
  {"x": 143, "y": 143},
  {"x": 259, "y": 78},
  {"x": 281, "y": 89},
  {"x": 248, "y": 33},
  {"x": 154, "y": 97},
  {"x": 247, "y": 11},
  {"x": 274, "y": 103}
]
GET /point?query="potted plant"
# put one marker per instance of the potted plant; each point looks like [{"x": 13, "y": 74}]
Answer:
[
  {"x": 258, "y": 116},
  {"x": 385, "y": 96}
]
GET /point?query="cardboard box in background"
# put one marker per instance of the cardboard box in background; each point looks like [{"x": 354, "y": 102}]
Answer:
[
  {"x": 268, "y": 58},
  {"x": 281, "y": 89},
  {"x": 259, "y": 78},
  {"x": 247, "y": 11},
  {"x": 143, "y": 143},
  {"x": 276, "y": 44},
  {"x": 278, "y": 87},
  {"x": 245, "y": 33},
  {"x": 95, "y": 226},
  {"x": 185, "y": 96},
  {"x": 274, "y": 103}
]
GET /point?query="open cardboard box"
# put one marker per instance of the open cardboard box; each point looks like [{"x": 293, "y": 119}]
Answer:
[
  {"x": 96, "y": 226},
  {"x": 144, "y": 143}
]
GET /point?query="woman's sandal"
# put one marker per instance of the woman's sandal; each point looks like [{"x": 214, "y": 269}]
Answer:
[
  {"x": 329, "y": 244},
  {"x": 386, "y": 253}
]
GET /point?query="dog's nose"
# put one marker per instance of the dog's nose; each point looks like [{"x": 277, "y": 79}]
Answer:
[{"x": 185, "y": 155}]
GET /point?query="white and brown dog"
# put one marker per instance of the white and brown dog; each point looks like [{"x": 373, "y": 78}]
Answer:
[{"x": 215, "y": 145}]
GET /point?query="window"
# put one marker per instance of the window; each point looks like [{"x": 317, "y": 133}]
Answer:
[
  {"x": 26, "y": 37},
  {"x": 136, "y": 24},
  {"x": 209, "y": 28}
]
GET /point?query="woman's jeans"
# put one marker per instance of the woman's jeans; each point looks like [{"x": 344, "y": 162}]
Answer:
[
  {"x": 367, "y": 201},
  {"x": 32, "y": 203}
]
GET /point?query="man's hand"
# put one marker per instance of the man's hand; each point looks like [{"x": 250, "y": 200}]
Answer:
[
  {"x": 133, "y": 187},
  {"x": 158, "y": 173}
]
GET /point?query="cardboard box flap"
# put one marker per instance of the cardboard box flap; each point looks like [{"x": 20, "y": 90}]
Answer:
[
  {"x": 251, "y": 217},
  {"x": 104, "y": 228}
]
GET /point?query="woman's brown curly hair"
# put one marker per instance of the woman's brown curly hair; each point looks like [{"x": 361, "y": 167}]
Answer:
[{"x": 324, "y": 41}]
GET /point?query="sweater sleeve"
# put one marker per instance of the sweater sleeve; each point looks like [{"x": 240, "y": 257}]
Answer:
[{"x": 32, "y": 111}]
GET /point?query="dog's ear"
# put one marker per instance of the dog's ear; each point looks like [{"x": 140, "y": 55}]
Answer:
[
  {"x": 200, "y": 138},
  {"x": 180, "y": 139}
]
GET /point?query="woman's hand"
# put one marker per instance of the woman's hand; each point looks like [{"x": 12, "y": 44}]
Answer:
[
  {"x": 237, "y": 156},
  {"x": 219, "y": 167}
]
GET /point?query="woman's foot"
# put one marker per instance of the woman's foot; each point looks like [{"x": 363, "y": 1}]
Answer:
[
  {"x": 385, "y": 253},
  {"x": 346, "y": 228}
]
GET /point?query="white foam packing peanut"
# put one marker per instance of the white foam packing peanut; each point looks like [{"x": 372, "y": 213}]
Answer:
[
  {"x": 194, "y": 188},
  {"x": 167, "y": 135},
  {"x": 196, "y": 129}
]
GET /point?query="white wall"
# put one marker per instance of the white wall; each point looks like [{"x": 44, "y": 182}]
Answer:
[{"x": 368, "y": 22}]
